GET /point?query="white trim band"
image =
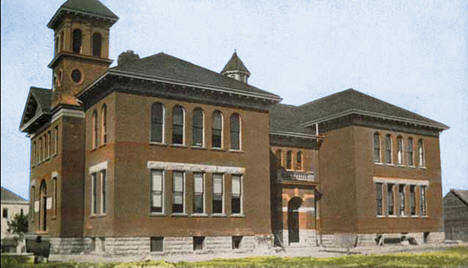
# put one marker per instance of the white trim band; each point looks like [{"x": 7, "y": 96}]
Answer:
[
  {"x": 400, "y": 181},
  {"x": 67, "y": 112},
  {"x": 194, "y": 167},
  {"x": 285, "y": 209},
  {"x": 98, "y": 167}
]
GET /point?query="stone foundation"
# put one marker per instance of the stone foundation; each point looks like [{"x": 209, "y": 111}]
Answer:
[
  {"x": 368, "y": 240},
  {"x": 307, "y": 238},
  {"x": 142, "y": 245}
]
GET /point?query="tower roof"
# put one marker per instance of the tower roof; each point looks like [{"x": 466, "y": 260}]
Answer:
[
  {"x": 235, "y": 64},
  {"x": 93, "y": 8}
]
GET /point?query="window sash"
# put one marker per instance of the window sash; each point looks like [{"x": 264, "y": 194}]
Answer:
[
  {"x": 178, "y": 192},
  {"x": 157, "y": 190},
  {"x": 94, "y": 193},
  {"x": 390, "y": 200},
  {"x": 157, "y": 122},
  {"x": 103, "y": 191},
  {"x": 236, "y": 185},
  {"x": 376, "y": 148},
  {"x": 423, "y": 205},
  {"x": 379, "y": 198},
  {"x": 413, "y": 200},
  {"x": 421, "y": 153},
  {"x": 218, "y": 202},
  {"x": 410, "y": 152},
  {"x": 400, "y": 151},
  {"x": 388, "y": 149},
  {"x": 289, "y": 160},
  {"x": 401, "y": 191},
  {"x": 217, "y": 184},
  {"x": 198, "y": 196}
]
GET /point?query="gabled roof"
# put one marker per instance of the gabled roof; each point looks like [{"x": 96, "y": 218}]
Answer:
[
  {"x": 461, "y": 194},
  {"x": 235, "y": 64},
  {"x": 37, "y": 104},
  {"x": 92, "y": 8},
  {"x": 9, "y": 196},
  {"x": 351, "y": 101},
  {"x": 167, "y": 68}
]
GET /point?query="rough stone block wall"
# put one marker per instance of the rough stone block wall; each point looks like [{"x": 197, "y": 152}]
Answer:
[
  {"x": 178, "y": 244},
  {"x": 71, "y": 245},
  {"x": 435, "y": 237},
  {"x": 127, "y": 245}
]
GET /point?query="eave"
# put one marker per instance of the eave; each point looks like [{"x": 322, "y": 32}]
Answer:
[
  {"x": 416, "y": 122},
  {"x": 63, "y": 54},
  {"x": 63, "y": 11},
  {"x": 153, "y": 78}
]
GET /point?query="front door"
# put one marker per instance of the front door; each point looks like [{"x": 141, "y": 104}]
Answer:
[{"x": 293, "y": 220}]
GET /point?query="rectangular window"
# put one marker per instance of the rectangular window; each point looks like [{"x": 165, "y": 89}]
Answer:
[
  {"x": 236, "y": 242},
  {"x": 46, "y": 147},
  {"x": 401, "y": 193},
  {"x": 157, "y": 191},
  {"x": 423, "y": 200},
  {"x": 218, "y": 207},
  {"x": 388, "y": 149},
  {"x": 94, "y": 193},
  {"x": 198, "y": 242},
  {"x": 103, "y": 192},
  {"x": 410, "y": 152},
  {"x": 412, "y": 200},
  {"x": 198, "y": 193},
  {"x": 400, "y": 151},
  {"x": 236, "y": 199},
  {"x": 178, "y": 192},
  {"x": 157, "y": 244},
  {"x": 56, "y": 136},
  {"x": 5, "y": 213},
  {"x": 378, "y": 189},
  {"x": 390, "y": 200}
]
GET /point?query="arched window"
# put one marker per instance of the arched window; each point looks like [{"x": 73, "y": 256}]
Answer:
[
  {"x": 178, "y": 125},
  {"x": 217, "y": 130},
  {"x": 97, "y": 41},
  {"x": 409, "y": 153},
  {"x": 77, "y": 41},
  {"x": 376, "y": 147},
  {"x": 279, "y": 159},
  {"x": 388, "y": 149},
  {"x": 289, "y": 160},
  {"x": 422, "y": 161},
  {"x": 299, "y": 161},
  {"x": 235, "y": 132},
  {"x": 157, "y": 122},
  {"x": 95, "y": 130},
  {"x": 197, "y": 128},
  {"x": 400, "y": 150},
  {"x": 104, "y": 124}
]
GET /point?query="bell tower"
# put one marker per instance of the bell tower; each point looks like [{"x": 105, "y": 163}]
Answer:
[{"x": 81, "y": 47}]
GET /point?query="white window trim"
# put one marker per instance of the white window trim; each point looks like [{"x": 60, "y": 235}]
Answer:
[
  {"x": 184, "y": 200},
  {"x": 188, "y": 167},
  {"x": 163, "y": 137},
  {"x": 204, "y": 194},
  {"x": 96, "y": 169},
  {"x": 400, "y": 181},
  {"x": 223, "y": 211},
  {"x": 163, "y": 185},
  {"x": 241, "y": 213},
  {"x": 101, "y": 209}
]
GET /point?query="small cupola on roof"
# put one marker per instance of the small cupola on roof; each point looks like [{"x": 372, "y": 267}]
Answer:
[{"x": 236, "y": 69}]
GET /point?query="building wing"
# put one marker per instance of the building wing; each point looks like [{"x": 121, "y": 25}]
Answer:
[{"x": 37, "y": 109}]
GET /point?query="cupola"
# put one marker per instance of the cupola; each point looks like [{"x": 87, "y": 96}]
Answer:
[{"x": 236, "y": 69}]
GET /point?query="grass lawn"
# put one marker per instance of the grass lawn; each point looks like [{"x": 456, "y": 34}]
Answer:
[{"x": 453, "y": 257}]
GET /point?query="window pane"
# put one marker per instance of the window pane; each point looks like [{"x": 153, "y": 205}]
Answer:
[
  {"x": 198, "y": 183},
  {"x": 197, "y": 128},
  {"x": 289, "y": 160},
  {"x": 378, "y": 188},
  {"x": 157, "y": 200},
  {"x": 217, "y": 184},
  {"x": 236, "y": 205},
  {"x": 388, "y": 149},
  {"x": 157, "y": 181},
  {"x": 236, "y": 185},
  {"x": 235, "y": 132},
  {"x": 376, "y": 147},
  {"x": 178, "y": 182},
  {"x": 198, "y": 203},
  {"x": 402, "y": 199},
  {"x": 157, "y": 120},
  {"x": 390, "y": 201},
  {"x": 217, "y": 130},
  {"x": 178, "y": 125}
]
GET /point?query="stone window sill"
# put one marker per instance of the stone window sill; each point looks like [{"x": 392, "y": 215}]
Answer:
[
  {"x": 157, "y": 143},
  {"x": 237, "y": 215},
  {"x": 217, "y": 149},
  {"x": 179, "y": 214},
  {"x": 179, "y": 145},
  {"x": 235, "y": 151},
  {"x": 378, "y": 163},
  {"x": 218, "y": 215},
  {"x": 198, "y": 147},
  {"x": 199, "y": 215}
]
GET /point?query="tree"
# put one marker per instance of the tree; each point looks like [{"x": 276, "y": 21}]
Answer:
[{"x": 18, "y": 225}]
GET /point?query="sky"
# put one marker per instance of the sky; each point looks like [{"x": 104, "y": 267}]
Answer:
[{"x": 413, "y": 54}]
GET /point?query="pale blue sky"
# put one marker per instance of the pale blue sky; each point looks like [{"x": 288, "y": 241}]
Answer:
[{"x": 413, "y": 54}]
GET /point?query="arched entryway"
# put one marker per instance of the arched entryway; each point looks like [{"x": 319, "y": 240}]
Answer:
[
  {"x": 43, "y": 207},
  {"x": 293, "y": 219}
]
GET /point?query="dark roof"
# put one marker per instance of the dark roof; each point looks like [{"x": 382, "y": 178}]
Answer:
[
  {"x": 461, "y": 194},
  {"x": 235, "y": 64},
  {"x": 298, "y": 119},
  {"x": 170, "y": 68},
  {"x": 285, "y": 119},
  {"x": 86, "y": 7},
  {"x": 8, "y": 195},
  {"x": 351, "y": 101},
  {"x": 38, "y": 103}
]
